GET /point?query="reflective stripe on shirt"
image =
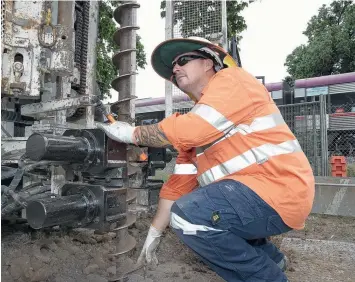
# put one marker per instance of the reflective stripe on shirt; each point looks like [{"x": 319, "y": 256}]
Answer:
[
  {"x": 213, "y": 117},
  {"x": 185, "y": 169},
  {"x": 257, "y": 155},
  {"x": 258, "y": 124}
]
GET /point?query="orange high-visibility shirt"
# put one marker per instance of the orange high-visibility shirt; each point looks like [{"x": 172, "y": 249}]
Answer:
[
  {"x": 183, "y": 180},
  {"x": 239, "y": 134}
]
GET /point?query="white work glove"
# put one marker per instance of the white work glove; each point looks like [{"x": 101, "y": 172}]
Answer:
[
  {"x": 148, "y": 253},
  {"x": 118, "y": 131}
]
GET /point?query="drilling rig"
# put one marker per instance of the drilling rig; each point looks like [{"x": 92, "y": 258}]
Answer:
[{"x": 58, "y": 169}]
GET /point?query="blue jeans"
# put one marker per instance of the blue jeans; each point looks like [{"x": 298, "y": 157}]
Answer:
[{"x": 226, "y": 224}]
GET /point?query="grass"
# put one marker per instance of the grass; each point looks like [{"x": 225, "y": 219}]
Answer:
[{"x": 351, "y": 170}]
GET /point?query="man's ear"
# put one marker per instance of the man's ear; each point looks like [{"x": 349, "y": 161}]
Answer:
[{"x": 209, "y": 64}]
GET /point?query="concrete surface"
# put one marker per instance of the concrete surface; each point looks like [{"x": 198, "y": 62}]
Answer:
[{"x": 335, "y": 196}]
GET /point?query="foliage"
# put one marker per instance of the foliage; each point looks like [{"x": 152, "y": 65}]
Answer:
[
  {"x": 289, "y": 81},
  {"x": 106, "y": 47},
  {"x": 190, "y": 13},
  {"x": 331, "y": 43}
]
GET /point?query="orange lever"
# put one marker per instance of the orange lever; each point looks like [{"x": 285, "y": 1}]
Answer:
[
  {"x": 110, "y": 118},
  {"x": 143, "y": 157}
]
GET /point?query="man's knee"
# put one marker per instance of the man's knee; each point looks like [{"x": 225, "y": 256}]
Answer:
[
  {"x": 181, "y": 208},
  {"x": 177, "y": 217},
  {"x": 176, "y": 209},
  {"x": 188, "y": 225}
]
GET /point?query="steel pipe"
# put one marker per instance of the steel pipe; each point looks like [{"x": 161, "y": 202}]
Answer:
[
  {"x": 57, "y": 148},
  {"x": 57, "y": 211}
]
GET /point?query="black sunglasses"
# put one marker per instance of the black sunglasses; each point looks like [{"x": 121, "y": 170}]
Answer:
[{"x": 183, "y": 60}]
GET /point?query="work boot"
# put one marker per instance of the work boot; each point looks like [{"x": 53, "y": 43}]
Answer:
[{"x": 283, "y": 264}]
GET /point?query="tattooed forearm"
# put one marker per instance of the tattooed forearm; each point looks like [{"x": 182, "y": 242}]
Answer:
[{"x": 151, "y": 136}]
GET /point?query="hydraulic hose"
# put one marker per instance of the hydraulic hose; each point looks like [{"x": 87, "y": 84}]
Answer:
[{"x": 7, "y": 172}]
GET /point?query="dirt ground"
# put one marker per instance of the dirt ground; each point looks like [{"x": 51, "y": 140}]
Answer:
[{"x": 59, "y": 256}]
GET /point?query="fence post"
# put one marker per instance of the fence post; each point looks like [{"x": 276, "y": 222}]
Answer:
[
  {"x": 224, "y": 24},
  {"x": 317, "y": 159},
  {"x": 324, "y": 136},
  {"x": 169, "y": 35}
]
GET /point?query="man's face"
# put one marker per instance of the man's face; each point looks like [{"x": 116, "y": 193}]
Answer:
[{"x": 189, "y": 70}]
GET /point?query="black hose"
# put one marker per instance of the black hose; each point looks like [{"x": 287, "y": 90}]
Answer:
[
  {"x": 34, "y": 175},
  {"x": 5, "y": 131},
  {"x": 22, "y": 199},
  {"x": 21, "y": 161},
  {"x": 11, "y": 189},
  {"x": 34, "y": 184},
  {"x": 15, "y": 182},
  {"x": 7, "y": 172},
  {"x": 17, "y": 203},
  {"x": 32, "y": 165},
  {"x": 3, "y": 187},
  {"x": 34, "y": 191}
]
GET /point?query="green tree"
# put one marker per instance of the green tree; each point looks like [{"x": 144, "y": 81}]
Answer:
[
  {"x": 106, "y": 47},
  {"x": 331, "y": 43},
  {"x": 193, "y": 14}
]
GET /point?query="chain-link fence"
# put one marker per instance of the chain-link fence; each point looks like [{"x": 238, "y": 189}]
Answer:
[
  {"x": 341, "y": 133},
  {"x": 206, "y": 19},
  {"x": 308, "y": 123},
  {"x": 323, "y": 134}
]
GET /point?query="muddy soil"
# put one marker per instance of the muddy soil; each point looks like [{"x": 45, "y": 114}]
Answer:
[{"x": 59, "y": 256}]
